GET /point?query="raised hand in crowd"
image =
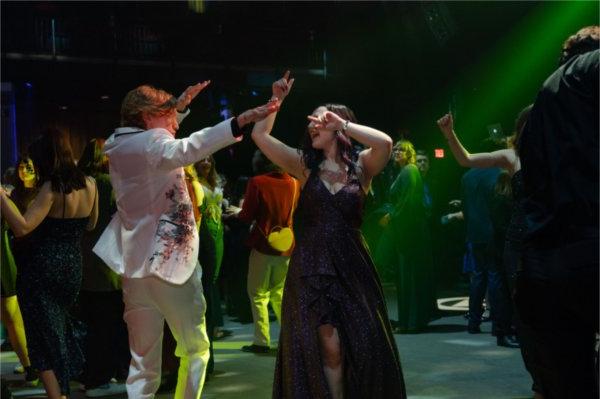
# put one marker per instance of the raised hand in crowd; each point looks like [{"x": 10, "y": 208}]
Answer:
[
  {"x": 189, "y": 94},
  {"x": 282, "y": 87},
  {"x": 446, "y": 125}
]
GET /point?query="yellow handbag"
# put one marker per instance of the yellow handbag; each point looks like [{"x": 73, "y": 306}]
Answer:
[{"x": 281, "y": 239}]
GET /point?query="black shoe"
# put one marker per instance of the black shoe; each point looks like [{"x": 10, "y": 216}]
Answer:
[
  {"x": 255, "y": 348},
  {"x": 221, "y": 334},
  {"x": 473, "y": 329},
  {"x": 32, "y": 377},
  {"x": 508, "y": 341}
]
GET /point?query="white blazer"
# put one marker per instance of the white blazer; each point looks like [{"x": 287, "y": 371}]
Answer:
[{"x": 153, "y": 232}]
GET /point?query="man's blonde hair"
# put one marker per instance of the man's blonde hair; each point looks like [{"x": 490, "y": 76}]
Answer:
[{"x": 145, "y": 100}]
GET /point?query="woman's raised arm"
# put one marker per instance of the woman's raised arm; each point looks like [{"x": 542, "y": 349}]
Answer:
[
  {"x": 501, "y": 158},
  {"x": 284, "y": 156},
  {"x": 23, "y": 224}
]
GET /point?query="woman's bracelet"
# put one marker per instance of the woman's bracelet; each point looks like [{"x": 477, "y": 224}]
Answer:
[{"x": 345, "y": 126}]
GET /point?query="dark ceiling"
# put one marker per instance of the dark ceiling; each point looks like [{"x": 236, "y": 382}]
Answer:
[
  {"x": 395, "y": 49},
  {"x": 398, "y": 64}
]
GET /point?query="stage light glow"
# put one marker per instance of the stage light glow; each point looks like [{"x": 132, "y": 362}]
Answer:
[{"x": 439, "y": 153}]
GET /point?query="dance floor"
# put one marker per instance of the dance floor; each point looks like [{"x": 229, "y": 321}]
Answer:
[{"x": 444, "y": 362}]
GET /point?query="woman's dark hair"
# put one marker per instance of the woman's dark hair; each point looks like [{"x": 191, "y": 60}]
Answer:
[
  {"x": 519, "y": 125},
  {"x": 212, "y": 177},
  {"x": 9, "y": 176},
  {"x": 93, "y": 161},
  {"x": 503, "y": 186},
  {"x": 22, "y": 196},
  {"x": 53, "y": 160},
  {"x": 312, "y": 157}
]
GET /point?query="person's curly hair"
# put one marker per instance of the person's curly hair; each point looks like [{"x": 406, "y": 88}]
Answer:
[
  {"x": 145, "y": 100},
  {"x": 586, "y": 39},
  {"x": 312, "y": 157}
]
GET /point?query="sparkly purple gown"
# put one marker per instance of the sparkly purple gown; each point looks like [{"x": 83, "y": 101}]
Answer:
[{"x": 332, "y": 280}]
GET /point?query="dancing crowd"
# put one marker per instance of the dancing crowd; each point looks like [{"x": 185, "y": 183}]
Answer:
[{"x": 140, "y": 242}]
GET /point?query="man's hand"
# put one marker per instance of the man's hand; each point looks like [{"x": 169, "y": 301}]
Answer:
[
  {"x": 231, "y": 211},
  {"x": 446, "y": 125},
  {"x": 257, "y": 114},
  {"x": 189, "y": 94},
  {"x": 282, "y": 87}
]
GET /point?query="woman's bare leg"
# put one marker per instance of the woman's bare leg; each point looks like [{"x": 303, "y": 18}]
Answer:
[
  {"x": 13, "y": 321},
  {"x": 331, "y": 355},
  {"x": 51, "y": 384}
]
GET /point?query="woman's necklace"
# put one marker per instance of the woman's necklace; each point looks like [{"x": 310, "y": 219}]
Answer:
[{"x": 334, "y": 177}]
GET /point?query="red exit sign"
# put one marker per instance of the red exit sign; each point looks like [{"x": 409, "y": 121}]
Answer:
[{"x": 439, "y": 153}]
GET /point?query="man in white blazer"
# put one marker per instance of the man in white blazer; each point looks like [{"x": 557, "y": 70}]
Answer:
[{"x": 152, "y": 240}]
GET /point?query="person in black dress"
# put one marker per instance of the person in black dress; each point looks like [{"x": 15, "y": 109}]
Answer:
[
  {"x": 336, "y": 339},
  {"x": 49, "y": 279},
  {"x": 106, "y": 345}
]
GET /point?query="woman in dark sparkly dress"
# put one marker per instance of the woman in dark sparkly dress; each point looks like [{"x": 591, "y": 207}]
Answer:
[
  {"x": 49, "y": 277},
  {"x": 336, "y": 340}
]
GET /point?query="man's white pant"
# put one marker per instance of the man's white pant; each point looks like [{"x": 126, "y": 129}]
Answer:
[
  {"x": 266, "y": 278},
  {"x": 149, "y": 302}
]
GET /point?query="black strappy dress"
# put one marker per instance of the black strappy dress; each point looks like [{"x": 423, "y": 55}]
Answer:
[
  {"x": 48, "y": 282},
  {"x": 332, "y": 280}
]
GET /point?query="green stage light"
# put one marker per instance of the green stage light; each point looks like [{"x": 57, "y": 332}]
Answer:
[{"x": 510, "y": 75}]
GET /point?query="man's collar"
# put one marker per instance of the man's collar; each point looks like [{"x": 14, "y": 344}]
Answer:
[{"x": 121, "y": 131}]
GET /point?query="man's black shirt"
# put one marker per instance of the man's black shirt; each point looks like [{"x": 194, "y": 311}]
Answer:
[{"x": 559, "y": 156}]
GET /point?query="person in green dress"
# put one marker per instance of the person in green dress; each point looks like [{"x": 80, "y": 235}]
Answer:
[
  {"x": 404, "y": 247},
  {"x": 210, "y": 252}
]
